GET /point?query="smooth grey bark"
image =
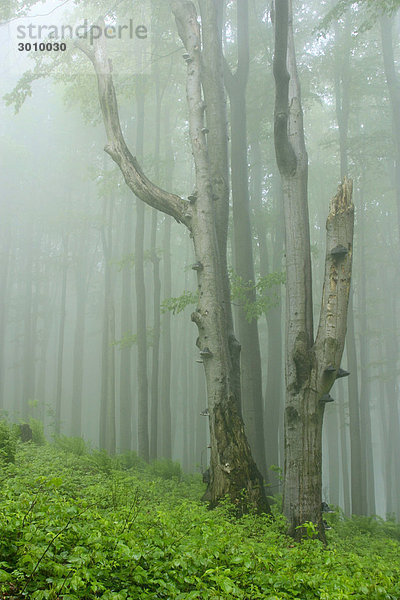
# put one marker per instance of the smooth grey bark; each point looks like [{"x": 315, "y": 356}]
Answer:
[
  {"x": 28, "y": 353},
  {"x": 311, "y": 366},
  {"x": 273, "y": 391},
  {"x": 61, "y": 331},
  {"x": 250, "y": 357},
  {"x": 141, "y": 311},
  {"x": 393, "y": 83},
  {"x": 5, "y": 253},
  {"x": 81, "y": 291},
  {"x": 232, "y": 466},
  {"x": 345, "y": 459},
  {"x": 155, "y": 363},
  {"x": 214, "y": 108},
  {"x": 107, "y": 429},
  {"x": 332, "y": 436},
  {"x": 342, "y": 105},
  {"x": 125, "y": 382},
  {"x": 365, "y": 404},
  {"x": 166, "y": 343}
]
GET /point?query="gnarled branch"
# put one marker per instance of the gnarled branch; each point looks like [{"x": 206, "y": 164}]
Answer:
[
  {"x": 116, "y": 147},
  {"x": 338, "y": 262}
]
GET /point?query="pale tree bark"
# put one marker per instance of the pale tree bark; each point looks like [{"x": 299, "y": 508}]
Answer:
[
  {"x": 232, "y": 466},
  {"x": 250, "y": 358},
  {"x": 81, "y": 291},
  {"x": 107, "y": 433},
  {"x": 365, "y": 404},
  {"x": 155, "y": 362},
  {"x": 345, "y": 462},
  {"x": 212, "y": 83},
  {"x": 393, "y": 82},
  {"x": 125, "y": 377},
  {"x": 141, "y": 312},
  {"x": 28, "y": 353},
  {"x": 165, "y": 399},
  {"x": 5, "y": 254},
  {"x": 61, "y": 331},
  {"x": 311, "y": 366},
  {"x": 273, "y": 389},
  {"x": 357, "y": 449}
]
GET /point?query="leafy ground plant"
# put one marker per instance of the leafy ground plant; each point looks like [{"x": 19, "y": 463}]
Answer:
[{"x": 72, "y": 529}]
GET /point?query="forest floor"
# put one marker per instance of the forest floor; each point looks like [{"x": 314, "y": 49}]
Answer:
[{"x": 78, "y": 524}]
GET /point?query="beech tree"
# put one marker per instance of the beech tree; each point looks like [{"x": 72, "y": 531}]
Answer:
[
  {"x": 312, "y": 365},
  {"x": 205, "y": 214}
]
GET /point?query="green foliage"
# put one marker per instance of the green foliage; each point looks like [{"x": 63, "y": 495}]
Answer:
[
  {"x": 311, "y": 529},
  {"x": 8, "y": 443},
  {"x": 256, "y": 298},
  {"x": 37, "y": 428},
  {"x": 72, "y": 531},
  {"x": 372, "y": 11},
  {"x": 74, "y": 445},
  {"x": 166, "y": 469},
  {"x": 178, "y": 304},
  {"x": 130, "y": 339}
]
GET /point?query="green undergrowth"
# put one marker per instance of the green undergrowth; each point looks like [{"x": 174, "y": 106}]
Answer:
[{"x": 77, "y": 524}]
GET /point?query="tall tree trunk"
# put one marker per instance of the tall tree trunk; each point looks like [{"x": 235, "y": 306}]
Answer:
[
  {"x": 273, "y": 392},
  {"x": 141, "y": 318},
  {"x": 4, "y": 281},
  {"x": 393, "y": 82},
  {"x": 166, "y": 434},
  {"x": 365, "y": 405},
  {"x": 81, "y": 291},
  {"x": 61, "y": 331},
  {"x": 28, "y": 360},
  {"x": 155, "y": 363},
  {"x": 344, "y": 452},
  {"x": 125, "y": 389},
  {"x": 107, "y": 439},
  {"x": 342, "y": 101},
  {"x": 311, "y": 367},
  {"x": 250, "y": 363},
  {"x": 232, "y": 466}
]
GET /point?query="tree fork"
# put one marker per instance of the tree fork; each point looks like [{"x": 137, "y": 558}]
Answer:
[{"x": 232, "y": 466}]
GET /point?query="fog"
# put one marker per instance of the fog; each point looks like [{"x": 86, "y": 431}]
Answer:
[{"x": 98, "y": 288}]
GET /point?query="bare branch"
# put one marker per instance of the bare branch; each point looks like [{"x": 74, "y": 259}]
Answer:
[
  {"x": 116, "y": 147},
  {"x": 338, "y": 262},
  {"x": 285, "y": 155}
]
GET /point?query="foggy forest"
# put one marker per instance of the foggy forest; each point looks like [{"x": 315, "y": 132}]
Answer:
[{"x": 199, "y": 267}]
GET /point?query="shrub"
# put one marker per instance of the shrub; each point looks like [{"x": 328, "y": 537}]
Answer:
[
  {"x": 166, "y": 469},
  {"x": 37, "y": 428},
  {"x": 8, "y": 443},
  {"x": 73, "y": 445}
]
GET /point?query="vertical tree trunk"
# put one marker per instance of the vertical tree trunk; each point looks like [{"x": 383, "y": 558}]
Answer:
[
  {"x": 311, "y": 367},
  {"x": 4, "y": 270},
  {"x": 28, "y": 354},
  {"x": 342, "y": 100},
  {"x": 156, "y": 341},
  {"x": 165, "y": 399},
  {"x": 61, "y": 332},
  {"x": 393, "y": 82},
  {"x": 273, "y": 392},
  {"x": 365, "y": 405},
  {"x": 250, "y": 363},
  {"x": 344, "y": 452},
  {"x": 155, "y": 365},
  {"x": 232, "y": 466},
  {"x": 125, "y": 389},
  {"x": 81, "y": 290},
  {"x": 141, "y": 318},
  {"x": 107, "y": 439}
]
